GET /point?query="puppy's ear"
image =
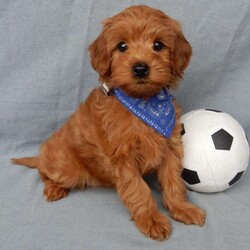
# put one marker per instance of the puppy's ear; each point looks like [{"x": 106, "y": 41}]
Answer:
[
  {"x": 181, "y": 53},
  {"x": 99, "y": 54}
]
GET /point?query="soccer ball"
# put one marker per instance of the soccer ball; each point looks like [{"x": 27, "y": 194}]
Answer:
[{"x": 216, "y": 150}]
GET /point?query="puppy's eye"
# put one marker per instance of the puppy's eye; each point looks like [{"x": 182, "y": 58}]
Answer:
[
  {"x": 122, "y": 47},
  {"x": 158, "y": 46}
]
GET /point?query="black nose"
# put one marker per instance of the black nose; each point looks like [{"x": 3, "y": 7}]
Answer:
[{"x": 140, "y": 70}]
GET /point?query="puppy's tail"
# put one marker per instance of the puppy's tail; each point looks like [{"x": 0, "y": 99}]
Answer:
[{"x": 31, "y": 162}]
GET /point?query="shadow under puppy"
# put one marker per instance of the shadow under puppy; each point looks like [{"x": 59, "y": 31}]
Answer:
[{"x": 133, "y": 129}]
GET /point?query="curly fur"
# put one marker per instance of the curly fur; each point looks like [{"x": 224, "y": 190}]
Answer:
[{"x": 103, "y": 144}]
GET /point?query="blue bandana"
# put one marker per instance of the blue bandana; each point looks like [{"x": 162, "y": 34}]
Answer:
[{"x": 157, "y": 111}]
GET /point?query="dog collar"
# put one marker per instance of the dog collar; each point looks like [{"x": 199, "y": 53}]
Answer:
[{"x": 157, "y": 111}]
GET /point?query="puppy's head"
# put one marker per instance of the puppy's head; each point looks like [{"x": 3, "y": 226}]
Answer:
[{"x": 140, "y": 50}]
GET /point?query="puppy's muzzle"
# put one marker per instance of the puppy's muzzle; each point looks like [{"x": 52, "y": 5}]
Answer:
[{"x": 140, "y": 70}]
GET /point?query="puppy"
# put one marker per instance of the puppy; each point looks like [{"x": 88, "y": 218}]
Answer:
[{"x": 140, "y": 54}]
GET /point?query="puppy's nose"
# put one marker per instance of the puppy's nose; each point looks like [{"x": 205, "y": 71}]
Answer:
[{"x": 140, "y": 70}]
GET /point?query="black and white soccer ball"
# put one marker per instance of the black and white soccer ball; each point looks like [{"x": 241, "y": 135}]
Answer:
[{"x": 216, "y": 150}]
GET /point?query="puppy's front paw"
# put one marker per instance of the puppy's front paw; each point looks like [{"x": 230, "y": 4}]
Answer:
[
  {"x": 154, "y": 225},
  {"x": 188, "y": 214}
]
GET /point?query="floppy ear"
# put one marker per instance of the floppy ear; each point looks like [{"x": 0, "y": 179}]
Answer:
[
  {"x": 181, "y": 54},
  {"x": 99, "y": 54}
]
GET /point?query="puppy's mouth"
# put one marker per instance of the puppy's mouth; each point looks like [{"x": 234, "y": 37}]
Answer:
[
  {"x": 141, "y": 88},
  {"x": 141, "y": 81}
]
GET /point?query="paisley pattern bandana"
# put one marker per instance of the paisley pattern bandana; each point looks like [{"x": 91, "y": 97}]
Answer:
[{"x": 157, "y": 111}]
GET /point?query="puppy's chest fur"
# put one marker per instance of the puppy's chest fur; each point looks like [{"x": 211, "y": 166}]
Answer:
[{"x": 123, "y": 138}]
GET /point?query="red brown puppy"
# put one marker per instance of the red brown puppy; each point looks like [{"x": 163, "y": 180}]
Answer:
[{"x": 141, "y": 52}]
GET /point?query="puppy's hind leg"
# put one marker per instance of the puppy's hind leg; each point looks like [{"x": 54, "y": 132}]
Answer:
[
  {"x": 56, "y": 190},
  {"x": 53, "y": 192},
  {"x": 58, "y": 181}
]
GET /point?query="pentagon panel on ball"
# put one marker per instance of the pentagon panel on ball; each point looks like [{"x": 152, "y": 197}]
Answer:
[{"x": 216, "y": 150}]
